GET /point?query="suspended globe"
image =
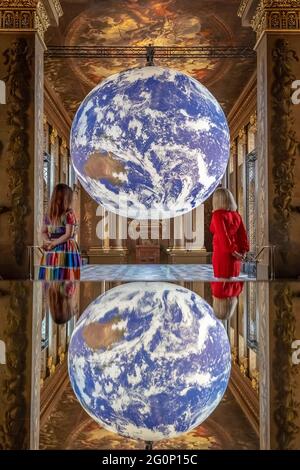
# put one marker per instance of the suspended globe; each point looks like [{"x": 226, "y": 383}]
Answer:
[
  {"x": 150, "y": 143},
  {"x": 149, "y": 361}
]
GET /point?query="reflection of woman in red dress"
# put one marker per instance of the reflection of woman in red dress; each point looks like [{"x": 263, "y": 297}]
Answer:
[
  {"x": 230, "y": 241},
  {"x": 225, "y": 297},
  {"x": 61, "y": 300}
]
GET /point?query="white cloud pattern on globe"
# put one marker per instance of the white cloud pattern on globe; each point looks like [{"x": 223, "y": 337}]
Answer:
[
  {"x": 150, "y": 143},
  {"x": 149, "y": 361}
]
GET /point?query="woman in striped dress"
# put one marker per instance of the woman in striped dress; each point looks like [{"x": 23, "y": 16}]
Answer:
[{"x": 61, "y": 258}]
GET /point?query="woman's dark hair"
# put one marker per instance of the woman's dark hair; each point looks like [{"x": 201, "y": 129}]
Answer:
[{"x": 61, "y": 201}]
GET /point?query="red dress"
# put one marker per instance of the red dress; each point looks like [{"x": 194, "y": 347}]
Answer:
[
  {"x": 226, "y": 290},
  {"x": 229, "y": 235}
]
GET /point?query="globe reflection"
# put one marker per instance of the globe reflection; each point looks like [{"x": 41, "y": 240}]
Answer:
[
  {"x": 150, "y": 142},
  {"x": 149, "y": 360}
]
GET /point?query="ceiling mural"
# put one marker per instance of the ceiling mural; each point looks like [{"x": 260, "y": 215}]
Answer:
[
  {"x": 139, "y": 23},
  {"x": 69, "y": 427}
]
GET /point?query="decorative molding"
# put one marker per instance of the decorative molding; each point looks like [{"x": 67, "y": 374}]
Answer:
[
  {"x": 38, "y": 144},
  {"x": 253, "y": 123},
  {"x": 50, "y": 365},
  {"x": 42, "y": 21},
  {"x": 242, "y": 136},
  {"x": 278, "y": 15},
  {"x": 255, "y": 380},
  {"x": 61, "y": 354},
  {"x": 53, "y": 136},
  {"x": 18, "y": 15},
  {"x": 52, "y": 390},
  {"x": 28, "y": 15},
  {"x": 233, "y": 148},
  {"x": 245, "y": 396},
  {"x": 242, "y": 7},
  {"x": 58, "y": 7},
  {"x": 284, "y": 144},
  {"x": 262, "y": 291},
  {"x": 234, "y": 354},
  {"x": 13, "y": 431},
  {"x": 63, "y": 148},
  {"x": 89, "y": 211},
  {"x": 243, "y": 108},
  {"x": 262, "y": 235},
  {"x": 18, "y": 62},
  {"x": 244, "y": 367},
  {"x": 55, "y": 111},
  {"x": 18, "y": 3},
  {"x": 36, "y": 333},
  {"x": 286, "y": 405}
]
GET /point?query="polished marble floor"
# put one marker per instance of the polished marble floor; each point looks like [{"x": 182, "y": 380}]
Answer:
[
  {"x": 151, "y": 272},
  {"x": 68, "y": 427}
]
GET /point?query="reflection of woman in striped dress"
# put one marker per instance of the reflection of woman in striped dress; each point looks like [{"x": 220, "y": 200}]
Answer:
[{"x": 61, "y": 259}]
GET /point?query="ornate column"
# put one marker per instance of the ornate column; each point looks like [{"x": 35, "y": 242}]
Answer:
[
  {"x": 277, "y": 25},
  {"x": 179, "y": 238},
  {"x": 20, "y": 331},
  {"x": 22, "y": 27}
]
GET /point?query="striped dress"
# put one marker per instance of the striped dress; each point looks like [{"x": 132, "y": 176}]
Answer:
[{"x": 63, "y": 261}]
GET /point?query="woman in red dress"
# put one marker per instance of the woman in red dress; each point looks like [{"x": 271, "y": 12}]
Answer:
[
  {"x": 225, "y": 298},
  {"x": 230, "y": 241}
]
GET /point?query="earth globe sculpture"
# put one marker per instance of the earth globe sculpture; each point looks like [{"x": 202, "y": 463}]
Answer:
[
  {"x": 149, "y": 361},
  {"x": 150, "y": 143}
]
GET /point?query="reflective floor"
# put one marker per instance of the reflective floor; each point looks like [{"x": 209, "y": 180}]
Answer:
[
  {"x": 186, "y": 364},
  {"x": 151, "y": 272}
]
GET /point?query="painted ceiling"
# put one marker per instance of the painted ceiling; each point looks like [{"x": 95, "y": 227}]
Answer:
[{"x": 138, "y": 23}]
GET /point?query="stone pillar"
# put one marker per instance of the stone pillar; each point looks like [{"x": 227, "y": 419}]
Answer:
[
  {"x": 277, "y": 24},
  {"x": 179, "y": 240},
  {"x": 20, "y": 332},
  {"x": 189, "y": 230},
  {"x": 279, "y": 353},
  {"x": 188, "y": 239},
  {"x": 22, "y": 26}
]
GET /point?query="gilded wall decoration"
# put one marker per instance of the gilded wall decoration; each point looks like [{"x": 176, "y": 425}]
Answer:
[
  {"x": 285, "y": 407},
  {"x": 253, "y": 123},
  {"x": 18, "y": 14},
  {"x": 262, "y": 290},
  {"x": 13, "y": 432},
  {"x": 29, "y": 15},
  {"x": 37, "y": 314},
  {"x": 58, "y": 7},
  {"x": 242, "y": 136},
  {"x": 41, "y": 19},
  {"x": 242, "y": 7},
  {"x": 88, "y": 219},
  {"x": 284, "y": 144},
  {"x": 276, "y": 15},
  {"x": 18, "y": 80}
]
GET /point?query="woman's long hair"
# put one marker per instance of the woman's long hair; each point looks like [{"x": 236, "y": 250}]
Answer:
[
  {"x": 224, "y": 199},
  {"x": 61, "y": 201},
  {"x": 61, "y": 301},
  {"x": 224, "y": 308}
]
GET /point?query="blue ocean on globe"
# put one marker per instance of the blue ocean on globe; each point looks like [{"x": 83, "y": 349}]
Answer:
[
  {"x": 150, "y": 143},
  {"x": 149, "y": 361}
]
